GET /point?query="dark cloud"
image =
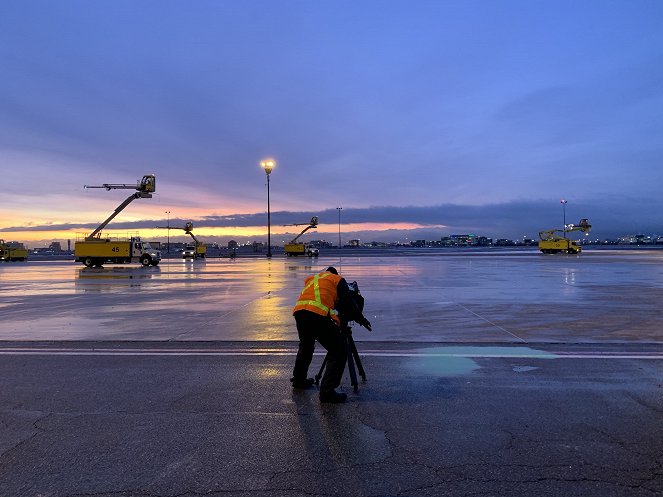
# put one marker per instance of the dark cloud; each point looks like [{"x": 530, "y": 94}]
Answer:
[{"x": 610, "y": 218}]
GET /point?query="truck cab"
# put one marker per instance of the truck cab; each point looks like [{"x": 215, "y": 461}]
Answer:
[
  {"x": 189, "y": 252},
  {"x": 312, "y": 251},
  {"x": 149, "y": 256}
]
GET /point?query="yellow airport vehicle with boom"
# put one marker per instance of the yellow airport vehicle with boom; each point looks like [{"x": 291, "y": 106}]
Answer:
[
  {"x": 294, "y": 247},
  {"x": 552, "y": 243},
  {"x": 198, "y": 250},
  {"x": 95, "y": 249},
  {"x": 12, "y": 251}
]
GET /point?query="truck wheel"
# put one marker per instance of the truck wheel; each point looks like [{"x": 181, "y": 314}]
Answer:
[
  {"x": 88, "y": 261},
  {"x": 145, "y": 260}
]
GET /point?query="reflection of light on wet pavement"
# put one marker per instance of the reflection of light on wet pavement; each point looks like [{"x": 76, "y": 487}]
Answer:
[
  {"x": 268, "y": 372},
  {"x": 493, "y": 298}
]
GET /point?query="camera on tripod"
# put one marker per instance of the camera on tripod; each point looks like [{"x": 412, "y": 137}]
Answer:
[
  {"x": 359, "y": 302},
  {"x": 350, "y": 347}
]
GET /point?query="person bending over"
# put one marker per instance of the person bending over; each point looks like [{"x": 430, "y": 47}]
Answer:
[{"x": 316, "y": 314}]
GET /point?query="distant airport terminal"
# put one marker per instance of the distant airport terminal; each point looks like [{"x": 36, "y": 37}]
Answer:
[{"x": 233, "y": 248}]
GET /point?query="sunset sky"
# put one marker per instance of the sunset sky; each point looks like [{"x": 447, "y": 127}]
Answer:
[{"x": 422, "y": 118}]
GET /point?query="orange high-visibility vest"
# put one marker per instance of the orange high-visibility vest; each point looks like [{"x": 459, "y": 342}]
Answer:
[{"x": 319, "y": 295}]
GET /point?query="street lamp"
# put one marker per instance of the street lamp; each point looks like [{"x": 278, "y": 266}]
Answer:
[
  {"x": 339, "y": 209},
  {"x": 168, "y": 243},
  {"x": 563, "y": 202},
  {"x": 268, "y": 165}
]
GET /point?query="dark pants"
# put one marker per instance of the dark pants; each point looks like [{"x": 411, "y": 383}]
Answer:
[{"x": 312, "y": 327}]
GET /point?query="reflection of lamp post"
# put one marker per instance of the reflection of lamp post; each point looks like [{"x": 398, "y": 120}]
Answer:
[
  {"x": 339, "y": 209},
  {"x": 168, "y": 243},
  {"x": 563, "y": 202},
  {"x": 268, "y": 165}
]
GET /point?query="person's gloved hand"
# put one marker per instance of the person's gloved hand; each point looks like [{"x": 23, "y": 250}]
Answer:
[{"x": 365, "y": 323}]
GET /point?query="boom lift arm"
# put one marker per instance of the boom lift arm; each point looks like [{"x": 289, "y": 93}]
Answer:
[
  {"x": 188, "y": 229},
  {"x": 144, "y": 189},
  {"x": 312, "y": 224},
  {"x": 583, "y": 225}
]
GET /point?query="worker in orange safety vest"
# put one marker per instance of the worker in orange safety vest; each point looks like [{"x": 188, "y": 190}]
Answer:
[{"x": 316, "y": 315}]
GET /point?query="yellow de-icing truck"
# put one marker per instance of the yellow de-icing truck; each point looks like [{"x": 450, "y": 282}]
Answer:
[
  {"x": 116, "y": 250},
  {"x": 95, "y": 249},
  {"x": 294, "y": 248},
  {"x": 197, "y": 250},
  {"x": 12, "y": 251},
  {"x": 551, "y": 243}
]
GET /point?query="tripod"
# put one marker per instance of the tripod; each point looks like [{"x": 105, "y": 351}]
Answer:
[{"x": 353, "y": 359}]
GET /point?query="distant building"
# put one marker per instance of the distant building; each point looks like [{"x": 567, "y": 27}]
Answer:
[
  {"x": 320, "y": 244},
  {"x": 464, "y": 240},
  {"x": 638, "y": 239}
]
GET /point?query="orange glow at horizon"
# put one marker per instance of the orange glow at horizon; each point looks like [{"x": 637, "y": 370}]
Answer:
[{"x": 279, "y": 233}]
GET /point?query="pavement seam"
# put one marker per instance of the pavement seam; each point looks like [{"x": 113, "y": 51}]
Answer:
[{"x": 38, "y": 431}]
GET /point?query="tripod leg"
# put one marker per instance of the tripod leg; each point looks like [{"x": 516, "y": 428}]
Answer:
[
  {"x": 322, "y": 368},
  {"x": 355, "y": 354},
  {"x": 351, "y": 364}
]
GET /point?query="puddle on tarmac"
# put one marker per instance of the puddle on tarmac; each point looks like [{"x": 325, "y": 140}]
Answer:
[
  {"x": 524, "y": 369},
  {"x": 458, "y": 361},
  {"x": 444, "y": 365}
]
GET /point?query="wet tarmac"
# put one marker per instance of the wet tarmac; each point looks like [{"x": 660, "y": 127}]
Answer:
[
  {"x": 510, "y": 374},
  {"x": 601, "y": 296}
]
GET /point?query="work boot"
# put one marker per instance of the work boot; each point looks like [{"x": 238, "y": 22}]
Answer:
[
  {"x": 302, "y": 383},
  {"x": 333, "y": 397}
]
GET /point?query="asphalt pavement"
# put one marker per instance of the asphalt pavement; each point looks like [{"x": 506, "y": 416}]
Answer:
[{"x": 113, "y": 419}]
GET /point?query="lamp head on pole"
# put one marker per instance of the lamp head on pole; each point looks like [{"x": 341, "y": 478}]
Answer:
[{"x": 268, "y": 165}]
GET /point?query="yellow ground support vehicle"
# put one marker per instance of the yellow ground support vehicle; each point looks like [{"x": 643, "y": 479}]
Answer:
[
  {"x": 12, "y": 251},
  {"x": 552, "y": 243},
  {"x": 298, "y": 248},
  {"x": 198, "y": 250},
  {"x": 115, "y": 250},
  {"x": 95, "y": 249}
]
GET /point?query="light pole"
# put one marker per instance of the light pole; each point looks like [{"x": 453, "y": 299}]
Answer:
[
  {"x": 268, "y": 165},
  {"x": 563, "y": 202},
  {"x": 339, "y": 209},
  {"x": 168, "y": 243}
]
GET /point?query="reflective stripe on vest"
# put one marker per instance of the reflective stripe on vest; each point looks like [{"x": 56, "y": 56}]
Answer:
[{"x": 317, "y": 303}]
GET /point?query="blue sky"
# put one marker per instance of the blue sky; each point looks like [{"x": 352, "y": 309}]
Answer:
[{"x": 453, "y": 116}]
